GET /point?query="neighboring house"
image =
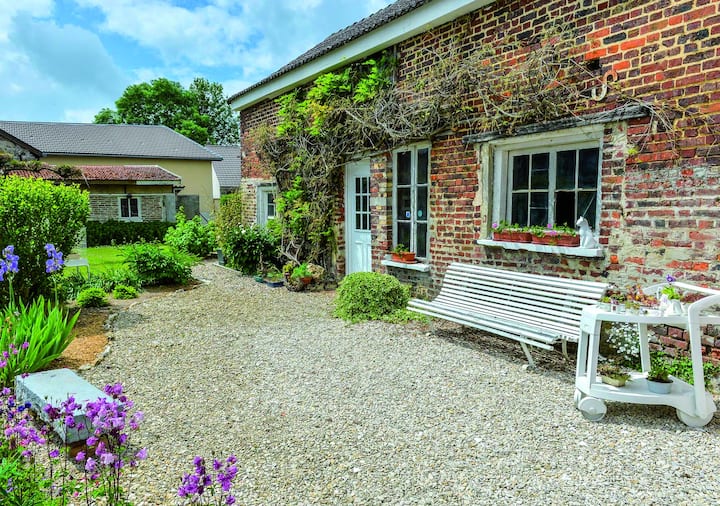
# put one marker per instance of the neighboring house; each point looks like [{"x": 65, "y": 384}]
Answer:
[
  {"x": 123, "y": 192},
  {"x": 140, "y": 162},
  {"x": 226, "y": 172},
  {"x": 651, "y": 197}
]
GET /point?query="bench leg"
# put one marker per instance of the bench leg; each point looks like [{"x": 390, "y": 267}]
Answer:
[
  {"x": 531, "y": 362},
  {"x": 564, "y": 349}
]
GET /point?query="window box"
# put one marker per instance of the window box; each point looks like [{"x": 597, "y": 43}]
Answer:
[
  {"x": 512, "y": 236},
  {"x": 407, "y": 257},
  {"x": 557, "y": 240}
]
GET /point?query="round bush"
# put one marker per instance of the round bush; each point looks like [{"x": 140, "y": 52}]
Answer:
[
  {"x": 124, "y": 292},
  {"x": 370, "y": 296},
  {"x": 92, "y": 297}
]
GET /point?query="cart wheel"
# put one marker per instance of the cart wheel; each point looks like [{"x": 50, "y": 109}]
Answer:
[
  {"x": 592, "y": 409},
  {"x": 693, "y": 421},
  {"x": 577, "y": 397}
]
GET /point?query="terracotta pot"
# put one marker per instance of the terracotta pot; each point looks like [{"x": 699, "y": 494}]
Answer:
[
  {"x": 550, "y": 240},
  {"x": 568, "y": 240},
  {"x": 502, "y": 236},
  {"x": 407, "y": 257},
  {"x": 521, "y": 236}
]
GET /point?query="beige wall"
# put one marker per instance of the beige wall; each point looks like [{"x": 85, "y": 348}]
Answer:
[{"x": 196, "y": 174}]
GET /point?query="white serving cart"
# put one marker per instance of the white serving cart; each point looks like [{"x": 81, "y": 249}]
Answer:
[{"x": 694, "y": 405}]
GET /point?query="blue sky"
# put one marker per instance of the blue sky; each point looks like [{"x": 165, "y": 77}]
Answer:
[{"x": 64, "y": 60}]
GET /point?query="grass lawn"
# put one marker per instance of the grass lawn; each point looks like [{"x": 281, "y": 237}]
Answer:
[{"x": 101, "y": 258}]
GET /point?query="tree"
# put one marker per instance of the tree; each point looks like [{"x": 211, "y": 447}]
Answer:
[{"x": 201, "y": 112}]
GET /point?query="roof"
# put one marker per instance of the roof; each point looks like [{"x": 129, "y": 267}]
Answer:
[
  {"x": 395, "y": 23},
  {"x": 90, "y": 139},
  {"x": 228, "y": 170},
  {"x": 342, "y": 37},
  {"x": 96, "y": 173}
]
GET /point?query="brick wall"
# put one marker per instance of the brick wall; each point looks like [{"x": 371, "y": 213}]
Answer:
[
  {"x": 660, "y": 211},
  {"x": 107, "y": 207}
]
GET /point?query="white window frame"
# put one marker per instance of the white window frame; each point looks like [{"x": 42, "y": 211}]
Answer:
[
  {"x": 263, "y": 192},
  {"x": 499, "y": 158},
  {"x": 130, "y": 198},
  {"x": 414, "y": 148}
]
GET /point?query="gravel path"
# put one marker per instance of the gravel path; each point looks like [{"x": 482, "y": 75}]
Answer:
[{"x": 322, "y": 412}]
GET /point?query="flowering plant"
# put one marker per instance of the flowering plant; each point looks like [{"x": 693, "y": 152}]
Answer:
[
  {"x": 669, "y": 290},
  {"x": 552, "y": 230},
  {"x": 195, "y": 485},
  {"x": 624, "y": 340}
]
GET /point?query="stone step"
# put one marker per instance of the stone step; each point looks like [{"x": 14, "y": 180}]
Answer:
[{"x": 54, "y": 387}]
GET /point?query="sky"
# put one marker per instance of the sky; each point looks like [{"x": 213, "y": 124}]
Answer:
[{"x": 65, "y": 60}]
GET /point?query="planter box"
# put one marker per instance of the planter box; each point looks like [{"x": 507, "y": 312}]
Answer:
[
  {"x": 407, "y": 257},
  {"x": 274, "y": 284},
  {"x": 512, "y": 236},
  {"x": 557, "y": 240}
]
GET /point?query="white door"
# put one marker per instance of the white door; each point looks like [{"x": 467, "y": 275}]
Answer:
[{"x": 357, "y": 217}]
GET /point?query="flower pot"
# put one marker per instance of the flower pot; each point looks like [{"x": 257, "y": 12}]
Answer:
[
  {"x": 660, "y": 387},
  {"x": 616, "y": 382},
  {"x": 568, "y": 240},
  {"x": 548, "y": 240},
  {"x": 521, "y": 236},
  {"x": 502, "y": 236},
  {"x": 274, "y": 284},
  {"x": 406, "y": 257}
]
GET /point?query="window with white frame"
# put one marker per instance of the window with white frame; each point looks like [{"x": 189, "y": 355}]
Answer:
[
  {"x": 552, "y": 178},
  {"x": 411, "y": 202},
  {"x": 129, "y": 208},
  {"x": 265, "y": 204}
]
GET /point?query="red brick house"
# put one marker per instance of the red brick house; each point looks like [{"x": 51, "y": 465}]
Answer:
[{"x": 637, "y": 154}]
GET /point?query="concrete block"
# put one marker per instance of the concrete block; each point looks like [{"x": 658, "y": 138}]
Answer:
[{"x": 53, "y": 387}]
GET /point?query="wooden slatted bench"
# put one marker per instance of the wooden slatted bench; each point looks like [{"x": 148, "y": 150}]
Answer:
[{"x": 533, "y": 309}]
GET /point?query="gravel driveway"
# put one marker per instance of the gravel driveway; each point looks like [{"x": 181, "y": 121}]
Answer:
[{"x": 322, "y": 412}]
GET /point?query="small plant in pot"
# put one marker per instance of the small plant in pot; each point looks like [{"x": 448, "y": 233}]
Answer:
[
  {"x": 400, "y": 253},
  {"x": 302, "y": 273},
  {"x": 611, "y": 374},
  {"x": 659, "y": 375}
]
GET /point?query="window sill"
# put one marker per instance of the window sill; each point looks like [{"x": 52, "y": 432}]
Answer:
[
  {"x": 542, "y": 248},
  {"x": 417, "y": 266}
]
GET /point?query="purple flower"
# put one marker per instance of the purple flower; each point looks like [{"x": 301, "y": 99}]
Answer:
[
  {"x": 54, "y": 453},
  {"x": 230, "y": 500},
  {"x": 142, "y": 454},
  {"x": 55, "y": 259},
  {"x": 11, "y": 259},
  {"x": 670, "y": 278},
  {"x": 80, "y": 457},
  {"x": 90, "y": 465}
]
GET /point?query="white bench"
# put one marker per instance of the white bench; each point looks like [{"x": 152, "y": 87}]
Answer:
[{"x": 533, "y": 309}]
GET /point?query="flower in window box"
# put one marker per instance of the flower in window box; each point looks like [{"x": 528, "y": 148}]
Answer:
[
  {"x": 555, "y": 235},
  {"x": 504, "y": 231},
  {"x": 400, "y": 253}
]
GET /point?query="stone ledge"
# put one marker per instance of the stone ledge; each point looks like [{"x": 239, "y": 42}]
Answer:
[
  {"x": 542, "y": 248},
  {"x": 54, "y": 387},
  {"x": 417, "y": 266}
]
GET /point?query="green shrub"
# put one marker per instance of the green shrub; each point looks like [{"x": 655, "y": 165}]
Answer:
[
  {"x": 45, "y": 327},
  {"x": 192, "y": 236},
  {"x": 370, "y": 296},
  {"x": 111, "y": 232},
  {"x": 111, "y": 278},
  {"x": 229, "y": 216},
  {"x": 125, "y": 292},
  {"x": 251, "y": 249},
  {"x": 157, "y": 265},
  {"x": 92, "y": 297},
  {"x": 34, "y": 212}
]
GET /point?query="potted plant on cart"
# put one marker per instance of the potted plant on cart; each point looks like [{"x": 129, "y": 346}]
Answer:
[
  {"x": 658, "y": 378},
  {"x": 611, "y": 374},
  {"x": 400, "y": 253}
]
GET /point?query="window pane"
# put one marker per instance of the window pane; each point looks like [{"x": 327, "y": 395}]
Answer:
[
  {"x": 357, "y": 185},
  {"x": 358, "y": 203},
  {"x": 539, "y": 173},
  {"x": 134, "y": 208},
  {"x": 565, "y": 208},
  {"x": 589, "y": 160},
  {"x": 403, "y": 234},
  {"x": 404, "y": 211},
  {"x": 539, "y": 208},
  {"x": 421, "y": 240},
  {"x": 422, "y": 200},
  {"x": 124, "y": 208},
  {"x": 422, "y": 165},
  {"x": 365, "y": 221},
  {"x": 587, "y": 207},
  {"x": 521, "y": 168},
  {"x": 403, "y": 167},
  {"x": 519, "y": 209},
  {"x": 566, "y": 170},
  {"x": 364, "y": 185},
  {"x": 358, "y": 221}
]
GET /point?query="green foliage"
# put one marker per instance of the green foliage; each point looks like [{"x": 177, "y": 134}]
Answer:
[
  {"x": 24, "y": 483},
  {"x": 72, "y": 284},
  {"x": 681, "y": 367},
  {"x": 44, "y": 326},
  {"x": 659, "y": 367},
  {"x": 156, "y": 265},
  {"x": 125, "y": 292},
  {"x": 92, "y": 297},
  {"x": 301, "y": 271},
  {"x": 34, "y": 212},
  {"x": 111, "y": 232},
  {"x": 200, "y": 112},
  {"x": 250, "y": 249},
  {"x": 192, "y": 236},
  {"x": 370, "y": 296},
  {"x": 229, "y": 216}
]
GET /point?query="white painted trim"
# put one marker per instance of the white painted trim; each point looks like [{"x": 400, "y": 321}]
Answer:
[
  {"x": 542, "y": 248},
  {"x": 215, "y": 185},
  {"x": 413, "y": 23},
  {"x": 417, "y": 266}
]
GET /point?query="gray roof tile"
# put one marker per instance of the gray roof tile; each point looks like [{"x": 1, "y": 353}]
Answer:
[
  {"x": 342, "y": 37},
  {"x": 228, "y": 169},
  {"x": 89, "y": 139}
]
